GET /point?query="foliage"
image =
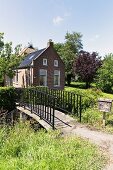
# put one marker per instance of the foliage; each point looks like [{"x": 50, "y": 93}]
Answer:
[
  {"x": 9, "y": 60},
  {"x": 89, "y": 96},
  {"x": 1, "y": 41},
  {"x": 92, "y": 117},
  {"x": 69, "y": 49},
  {"x": 86, "y": 65},
  {"x": 7, "y": 98},
  {"x": 22, "y": 148},
  {"x": 104, "y": 79},
  {"x": 90, "y": 113}
]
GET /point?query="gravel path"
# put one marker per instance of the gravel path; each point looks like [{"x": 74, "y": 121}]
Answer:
[{"x": 102, "y": 139}]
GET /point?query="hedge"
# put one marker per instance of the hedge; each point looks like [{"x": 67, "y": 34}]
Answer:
[{"x": 7, "y": 98}]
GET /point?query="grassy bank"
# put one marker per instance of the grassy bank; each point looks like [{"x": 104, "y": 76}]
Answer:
[{"x": 23, "y": 149}]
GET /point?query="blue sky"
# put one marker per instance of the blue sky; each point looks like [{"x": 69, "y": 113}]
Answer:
[{"x": 37, "y": 21}]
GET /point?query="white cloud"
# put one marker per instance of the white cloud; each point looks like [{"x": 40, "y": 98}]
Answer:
[{"x": 57, "y": 20}]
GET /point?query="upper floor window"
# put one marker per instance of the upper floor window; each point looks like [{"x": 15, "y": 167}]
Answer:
[
  {"x": 56, "y": 63},
  {"x": 44, "y": 62}
]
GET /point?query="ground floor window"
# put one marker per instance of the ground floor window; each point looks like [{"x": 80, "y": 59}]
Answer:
[
  {"x": 42, "y": 77},
  {"x": 16, "y": 76},
  {"x": 56, "y": 78}
]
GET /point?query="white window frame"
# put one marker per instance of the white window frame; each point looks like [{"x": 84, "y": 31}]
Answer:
[
  {"x": 44, "y": 61},
  {"x": 57, "y": 73},
  {"x": 41, "y": 73},
  {"x": 56, "y": 63}
]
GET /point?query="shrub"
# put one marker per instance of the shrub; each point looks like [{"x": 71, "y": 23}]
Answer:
[
  {"x": 7, "y": 98},
  {"x": 104, "y": 79},
  {"x": 92, "y": 116},
  {"x": 89, "y": 96}
]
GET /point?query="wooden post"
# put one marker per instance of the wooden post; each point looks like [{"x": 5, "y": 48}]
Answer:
[
  {"x": 21, "y": 116},
  {"x": 104, "y": 119}
]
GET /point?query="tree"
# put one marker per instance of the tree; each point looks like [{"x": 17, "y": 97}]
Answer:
[
  {"x": 69, "y": 50},
  {"x": 104, "y": 79},
  {"x": 86, "y": 65},
  {"x": 9, "y": 60},
  {"x": 1, "y": 41}
]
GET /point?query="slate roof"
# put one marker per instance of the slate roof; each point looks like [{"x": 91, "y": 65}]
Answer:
[{"x": 30, "y": 57}]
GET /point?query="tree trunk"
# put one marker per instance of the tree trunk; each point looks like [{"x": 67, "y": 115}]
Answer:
[
  {"x": 87, "y": 85},
  {"x": 69, "y": 79}
]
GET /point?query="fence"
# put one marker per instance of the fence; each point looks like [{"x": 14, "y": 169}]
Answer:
[
  {"x": 66, "y": 102},
  {"x": 40, "y": 103},
  {"x": 43, "y": 102}
]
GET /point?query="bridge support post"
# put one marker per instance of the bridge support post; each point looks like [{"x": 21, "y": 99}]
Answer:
[{"x": 22, "y": 117}]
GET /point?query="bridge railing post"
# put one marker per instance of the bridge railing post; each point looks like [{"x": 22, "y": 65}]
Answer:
[
  {"x": 53, "y": 120},
  {"x": 41, "y": 106},
  {"x": 80, "y": 109},
  {"x": 31, "y": 99}
]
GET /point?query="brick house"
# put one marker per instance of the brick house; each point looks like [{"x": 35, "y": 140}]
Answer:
[{"x": 41, "y": 68}]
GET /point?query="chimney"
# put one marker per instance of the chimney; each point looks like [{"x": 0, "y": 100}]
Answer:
[{"x": 50, "y": 43}]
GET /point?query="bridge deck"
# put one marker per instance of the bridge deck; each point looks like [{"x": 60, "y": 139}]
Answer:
[{"x": 63, "y": 122}]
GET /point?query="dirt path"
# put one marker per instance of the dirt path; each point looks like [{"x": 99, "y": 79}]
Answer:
[{"x": 102, "y": 139}]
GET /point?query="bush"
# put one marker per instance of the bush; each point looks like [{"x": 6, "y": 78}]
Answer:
[
  {"x": 104, "y": 79},
  {"x": 89, "y": 96},
  {"x": 7, "y": 98},
  {"x": 92, "y": 116}
]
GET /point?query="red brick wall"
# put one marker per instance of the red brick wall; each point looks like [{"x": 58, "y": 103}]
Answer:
[{"x": 51, "y": 55}]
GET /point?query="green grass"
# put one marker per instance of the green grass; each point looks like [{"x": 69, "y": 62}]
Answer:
[
  {"x": 91, "y": 115},
  {"x": 23, "y": 149}
]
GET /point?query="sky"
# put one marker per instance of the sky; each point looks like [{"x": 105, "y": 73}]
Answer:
[{"x": 37, "y": 21}]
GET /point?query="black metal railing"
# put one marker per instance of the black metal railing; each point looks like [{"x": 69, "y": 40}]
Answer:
[
  {"x": 43, "y": 102},
  {"x": 67, "y": 102},
  {"x": 40, "y": 103}
]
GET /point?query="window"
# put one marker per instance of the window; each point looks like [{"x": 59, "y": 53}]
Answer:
[
  {"x": 44, "y": 62},
  {"x": 43, "y": 77},
  {"x": 14, "y": 78},
  {"x": 17, "y": 76},
  {"x": 56, "y": 78},
  {"x": 56, "y": 63}
]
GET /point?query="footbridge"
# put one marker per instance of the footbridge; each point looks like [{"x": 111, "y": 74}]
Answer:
[{"x": 51, "y": 108}]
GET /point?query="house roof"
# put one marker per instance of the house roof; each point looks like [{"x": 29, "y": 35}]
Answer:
[
  {"x": 30, "y": 57},
  {"x": 27, "y": 50}
]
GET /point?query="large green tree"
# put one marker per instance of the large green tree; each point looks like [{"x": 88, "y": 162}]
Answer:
[
  {"x": 69, "y": 50},
  {"x": 104, "y": 79},
  {"x": 9, "y": 60}
]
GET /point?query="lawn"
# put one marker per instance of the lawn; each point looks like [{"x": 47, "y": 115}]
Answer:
[{"x": 23, "y": 149}]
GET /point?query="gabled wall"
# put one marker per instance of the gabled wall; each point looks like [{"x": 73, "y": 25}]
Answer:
[
  {"x": 30, "y": 76},
  {"x": 51, "y": 55}
]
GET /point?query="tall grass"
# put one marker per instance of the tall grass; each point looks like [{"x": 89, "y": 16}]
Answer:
[{"x": 23, "y": 149}]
